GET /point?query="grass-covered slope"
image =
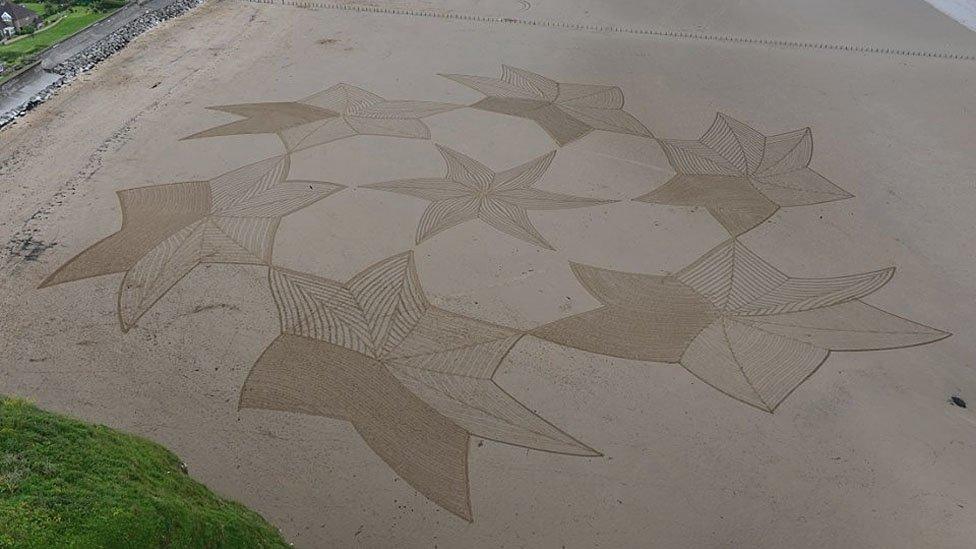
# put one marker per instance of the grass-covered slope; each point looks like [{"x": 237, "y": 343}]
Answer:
[
  {"x": 68, "y": 23},
  {"x": 65, "y": 483}
]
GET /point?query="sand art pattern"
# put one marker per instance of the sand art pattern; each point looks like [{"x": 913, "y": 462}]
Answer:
[
  {"x": 566, "y": 112},
  {"x": 414, "y": 380},
  {"x": 336, "y": 113},
  {"x": 742, "y": 176},
  {"x": 735, "y": 321},
  {"x": 417, "y": 381},
  {"x": 471, "y": 190},
  {"x": 167, "y": 230}
]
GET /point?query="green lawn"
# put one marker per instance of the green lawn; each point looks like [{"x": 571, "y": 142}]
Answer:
[
  {"x": 37, "y": 8},
  {"x": 65, "y": 483},
  {"x": 74, "y": 20}
]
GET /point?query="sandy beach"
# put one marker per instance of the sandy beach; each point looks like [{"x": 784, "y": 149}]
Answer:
[{"x": 427, "y": 281}]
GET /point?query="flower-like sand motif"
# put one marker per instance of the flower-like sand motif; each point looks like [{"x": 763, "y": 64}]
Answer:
[
  {"x": 742, "y": 176},
  {"x": 471, "y": 190},
  {"x": 167, "y": 230},
  {"x": 566, "y": 112},
  {"x": 735, "y": 321},
  {"x": 414, "y": 380},
  {"x": 337, "y": 113}
]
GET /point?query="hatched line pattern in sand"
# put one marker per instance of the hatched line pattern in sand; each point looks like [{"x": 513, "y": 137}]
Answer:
[{"x": 735, "y": 321}]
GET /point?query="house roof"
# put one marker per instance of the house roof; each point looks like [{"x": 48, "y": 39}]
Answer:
[{"x": 16, "y": 10}]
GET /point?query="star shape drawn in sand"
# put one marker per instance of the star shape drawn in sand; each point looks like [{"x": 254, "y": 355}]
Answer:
[
  {"x": 336, "y": 113},
  {"x": 167, "y": 230},
  {"x": 734, "y": 321},
  {"x": 566, "y": 112},
  {"x": 471, "y": 190},
  {"x": 414, "y": 380},
  {"x": 742, "y": 176}
]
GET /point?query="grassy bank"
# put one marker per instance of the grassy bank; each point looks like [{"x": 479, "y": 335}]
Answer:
[
  {"x": 67, "y": 23},
  {"x": 67, "y": 483},
  {"x": 38, "y": 8}
]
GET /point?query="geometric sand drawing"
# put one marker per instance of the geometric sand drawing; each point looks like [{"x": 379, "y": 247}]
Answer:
[
  {"x": 415, "y": 381},
  {"x": 471, "y": 190},
  {"x": 336, "y": 113},
  {"x": 735, "y": 322},
  {"x": 742, "y": 176},
  {"x": 566, "y": 112},
  {"x": 167, "y": 230}
]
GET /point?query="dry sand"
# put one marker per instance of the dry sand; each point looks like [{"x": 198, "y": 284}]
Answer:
[{"x": 867, "y": 452}]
